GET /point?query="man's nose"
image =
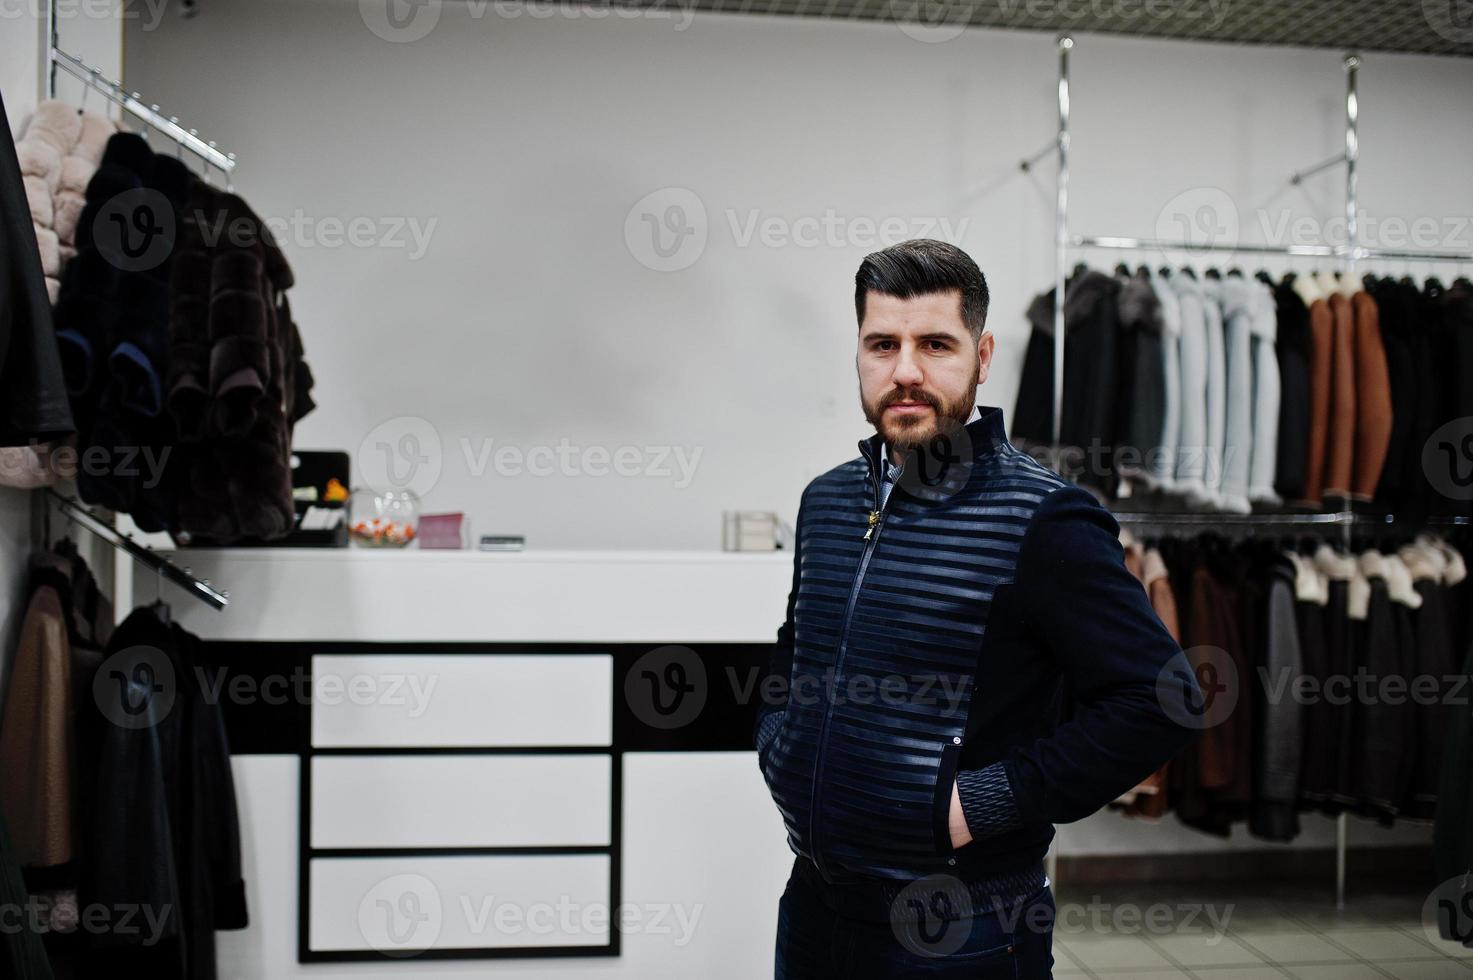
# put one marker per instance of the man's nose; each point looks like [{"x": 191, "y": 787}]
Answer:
[{"x": 908, "y": 371}]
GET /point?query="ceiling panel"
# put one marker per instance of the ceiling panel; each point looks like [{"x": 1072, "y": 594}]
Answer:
[{"x": 1417, "y": 26}]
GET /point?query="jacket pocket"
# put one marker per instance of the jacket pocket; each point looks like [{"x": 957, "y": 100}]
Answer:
[
  {"x": 951, "y": 751},
  {"x": 991, "y": 954}
]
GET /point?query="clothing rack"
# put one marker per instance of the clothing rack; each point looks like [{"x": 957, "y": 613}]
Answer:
[
  {"x": 1351, "y": 252},
  {"x": 212, "y": 155},
  {"x": 131, "y": 103},
  {"x": 201, "y": 589}
]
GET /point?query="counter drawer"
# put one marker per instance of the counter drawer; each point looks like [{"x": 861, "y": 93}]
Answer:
[
  {"x": 461, "y": 800},
  {"x": 399, "y": 905},
  {"x": 462, "y": 700}
]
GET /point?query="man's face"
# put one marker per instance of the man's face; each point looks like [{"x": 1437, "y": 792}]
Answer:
[{"x": 918, "y": 366}]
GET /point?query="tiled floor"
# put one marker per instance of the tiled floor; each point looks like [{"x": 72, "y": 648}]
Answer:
[{"x": 1228, "y": 932}]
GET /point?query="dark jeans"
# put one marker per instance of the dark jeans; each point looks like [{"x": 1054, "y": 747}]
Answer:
[{"x": 814, "y": 942}]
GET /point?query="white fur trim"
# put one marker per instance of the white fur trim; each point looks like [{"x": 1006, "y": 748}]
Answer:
[
  {"x": 1308, "y": 289},
  {"x": 1422, "y": 562},
  {"x": 1334, "y": 565},
  {"x": 1359, "y": 597},
  {"x": 1457, "y": 568},
  {"x": 1399, "y": 583},
  {"x": 1310, "y": 584}
]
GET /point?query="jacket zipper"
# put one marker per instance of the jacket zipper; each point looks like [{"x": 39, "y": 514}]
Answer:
[{"x": 871, "y": 539}]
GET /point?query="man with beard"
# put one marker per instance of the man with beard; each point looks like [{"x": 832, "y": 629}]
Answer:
[{"x": 948, "y": 591}]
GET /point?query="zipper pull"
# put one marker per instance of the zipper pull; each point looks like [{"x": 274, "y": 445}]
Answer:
[{"x": 874, "y": 518}]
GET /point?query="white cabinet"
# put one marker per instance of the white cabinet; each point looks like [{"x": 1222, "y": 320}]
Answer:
[{"x": 460, "y": 804}]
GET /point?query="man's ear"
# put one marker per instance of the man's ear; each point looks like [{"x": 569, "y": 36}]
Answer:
[{"x": 984, "y": 355}]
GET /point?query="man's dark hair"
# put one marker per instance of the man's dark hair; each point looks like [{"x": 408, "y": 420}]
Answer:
[{"x": 921, "y": 266}]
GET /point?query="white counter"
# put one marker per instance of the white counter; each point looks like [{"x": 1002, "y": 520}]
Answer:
[
  {"x": 384, "y": 790},
  {"x": 360, "y": 594}
]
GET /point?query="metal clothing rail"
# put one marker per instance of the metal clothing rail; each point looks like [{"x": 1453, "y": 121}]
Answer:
[
  {"x": 201, "y": 589},
  {"x": 1314, "y": 251},
  {"x": 187, "y": 138},
  {"x": 1233, "y": 520},
  {"x": 1324, "y": 518},
  {"x": 1164, "y": 245},
  {"x": 131, "y": 103},
  {"x": 1363, "y": 252},
  {"x": 1351, "y": 252}
]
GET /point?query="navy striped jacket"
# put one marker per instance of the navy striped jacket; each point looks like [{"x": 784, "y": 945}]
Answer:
[{"x": 934, "y": 638}]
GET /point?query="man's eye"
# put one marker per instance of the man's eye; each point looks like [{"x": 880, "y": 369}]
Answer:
[{"x": 884, "y": 344}]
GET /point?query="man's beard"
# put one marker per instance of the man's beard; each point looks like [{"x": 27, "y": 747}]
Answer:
[{"x": 903, "y": 432}]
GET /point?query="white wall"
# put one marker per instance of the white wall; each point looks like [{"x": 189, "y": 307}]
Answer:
[
  {"x": 528, "y": 321},
  {"x": 20, "y": 69},
  {"x": 527, "y": 141}
]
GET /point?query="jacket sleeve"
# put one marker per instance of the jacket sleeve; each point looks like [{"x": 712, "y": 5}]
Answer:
[
  {"x": 216, "y": 834},
  {"x": 33, "y": 397},
  {"x": 1134, "y": 698},
  {"x": 772, "y": 687}
]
